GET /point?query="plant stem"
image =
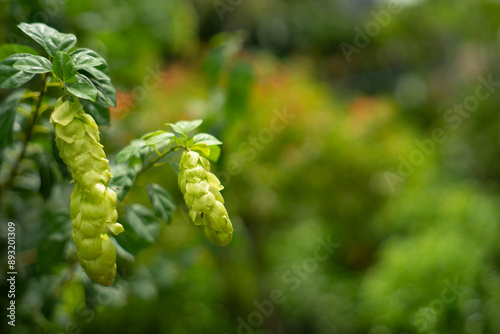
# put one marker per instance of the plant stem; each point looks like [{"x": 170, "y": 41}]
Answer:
[
  {"x": 27, "y": 138},
  {"x": 158, "y": 158},
  {"x": 154, "y": 161},
  {"x": 65, "y": 95}
]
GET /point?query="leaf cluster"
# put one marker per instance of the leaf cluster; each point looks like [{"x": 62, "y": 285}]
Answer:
[
  {"x": 82, "y": 73},
  {"x": 140, "y": 155}
]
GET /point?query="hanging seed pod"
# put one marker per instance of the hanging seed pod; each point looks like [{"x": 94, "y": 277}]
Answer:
[
  {"x": 201, "y": 190},
  {"x": 93, "y": 204}
]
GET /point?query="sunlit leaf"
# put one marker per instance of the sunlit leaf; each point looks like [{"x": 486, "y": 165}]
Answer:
[
  {"x": 206, "y": 138},
  {"x": 159, "y": 138},
  {"x": 214, "y": 153},
  {"x": 59, "y": 42},
  {"x": 83, "y": 90},
  {"x": 38, "y": 32},
  {"x": 33, "y": 64},
  {"x": 184, "y": 127}
]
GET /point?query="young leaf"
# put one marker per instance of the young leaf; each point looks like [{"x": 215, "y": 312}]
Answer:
[
  {"x": 201, "y": 148},
  {"x": 89, "y": 58},
  {"x": 10, "y": 49},
  {"x": 59, "y": 42},
  {"x": 11, "y": 77},
  {"x": 83, "y": 91},
  {"x": 161, "y": 201},
  {"x": 7, "y": 115},
  {"x": 64, "y": 68},
  {"x": 152, "y": 134},
  {"x": 38, "y": 32},
  {"x": 83, "y": 61},
  {"x": 94, "y": 68},
  {"x": 184, "y": 127},
  {"x": 159, "y": 138},
  {"x": 33, "y": 64},
  {"x": 130, "y": 150},
  {"x": 206, "y": 138},
  {"x": 214, "y": 153}
]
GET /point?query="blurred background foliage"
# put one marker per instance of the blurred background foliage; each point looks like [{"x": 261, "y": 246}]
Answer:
[{"x": 415, "y": 254}]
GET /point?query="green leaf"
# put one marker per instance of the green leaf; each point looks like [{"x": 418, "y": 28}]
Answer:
[
  {"x": 214, "y": 153},
  {"x": 130, "y": 150},
  {"x": 11, "y": 77},
  {"x": 108, "y": 92},
  {"x": 83, "y": 60},
  {"x": 10, "y": 49},
  {"x": 206, "y": 138},
  {"x": 175, "y": 166},
  {"x": 98, "y": 111},
  {"x": 159, "y": 138},
  {"x": 122, "y": 252},
  {"x": 136, "y": 219},
  {"x": 64, "y": 68},
  {"x": 96, "y": 74},
  {"x": 38, "y": 32},
  {"x": 184, "y": 127},
  {"x": 83, "y": 90},
  {"x": 105, "y": 90},
  {"x": 152, "y": 134},
  {"x": 80, "y": 78},
  {"x": 141, "y": 229},
  {"x": 84, "y": 57},
  {"x": 59, "y": 42},
  {"x": 8, "y": 109},
  {"x": 94, "y": 68},
  {"x": 33, "y": 64},
  {"x": 161, "y": 201},
  {"x": 122, "y": 180}
]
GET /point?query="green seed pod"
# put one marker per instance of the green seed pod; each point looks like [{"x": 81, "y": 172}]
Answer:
[
  {"x": 201, "y": 190},
  {"x": 93, "y": 204}
]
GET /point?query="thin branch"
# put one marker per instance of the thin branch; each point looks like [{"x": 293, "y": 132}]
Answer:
[{"x": 154, "y": 161}]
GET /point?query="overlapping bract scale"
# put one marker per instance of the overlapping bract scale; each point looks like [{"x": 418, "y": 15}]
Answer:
[
  {"x": 201, "y": 190},
  {"x": 93, "y": 203}
]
